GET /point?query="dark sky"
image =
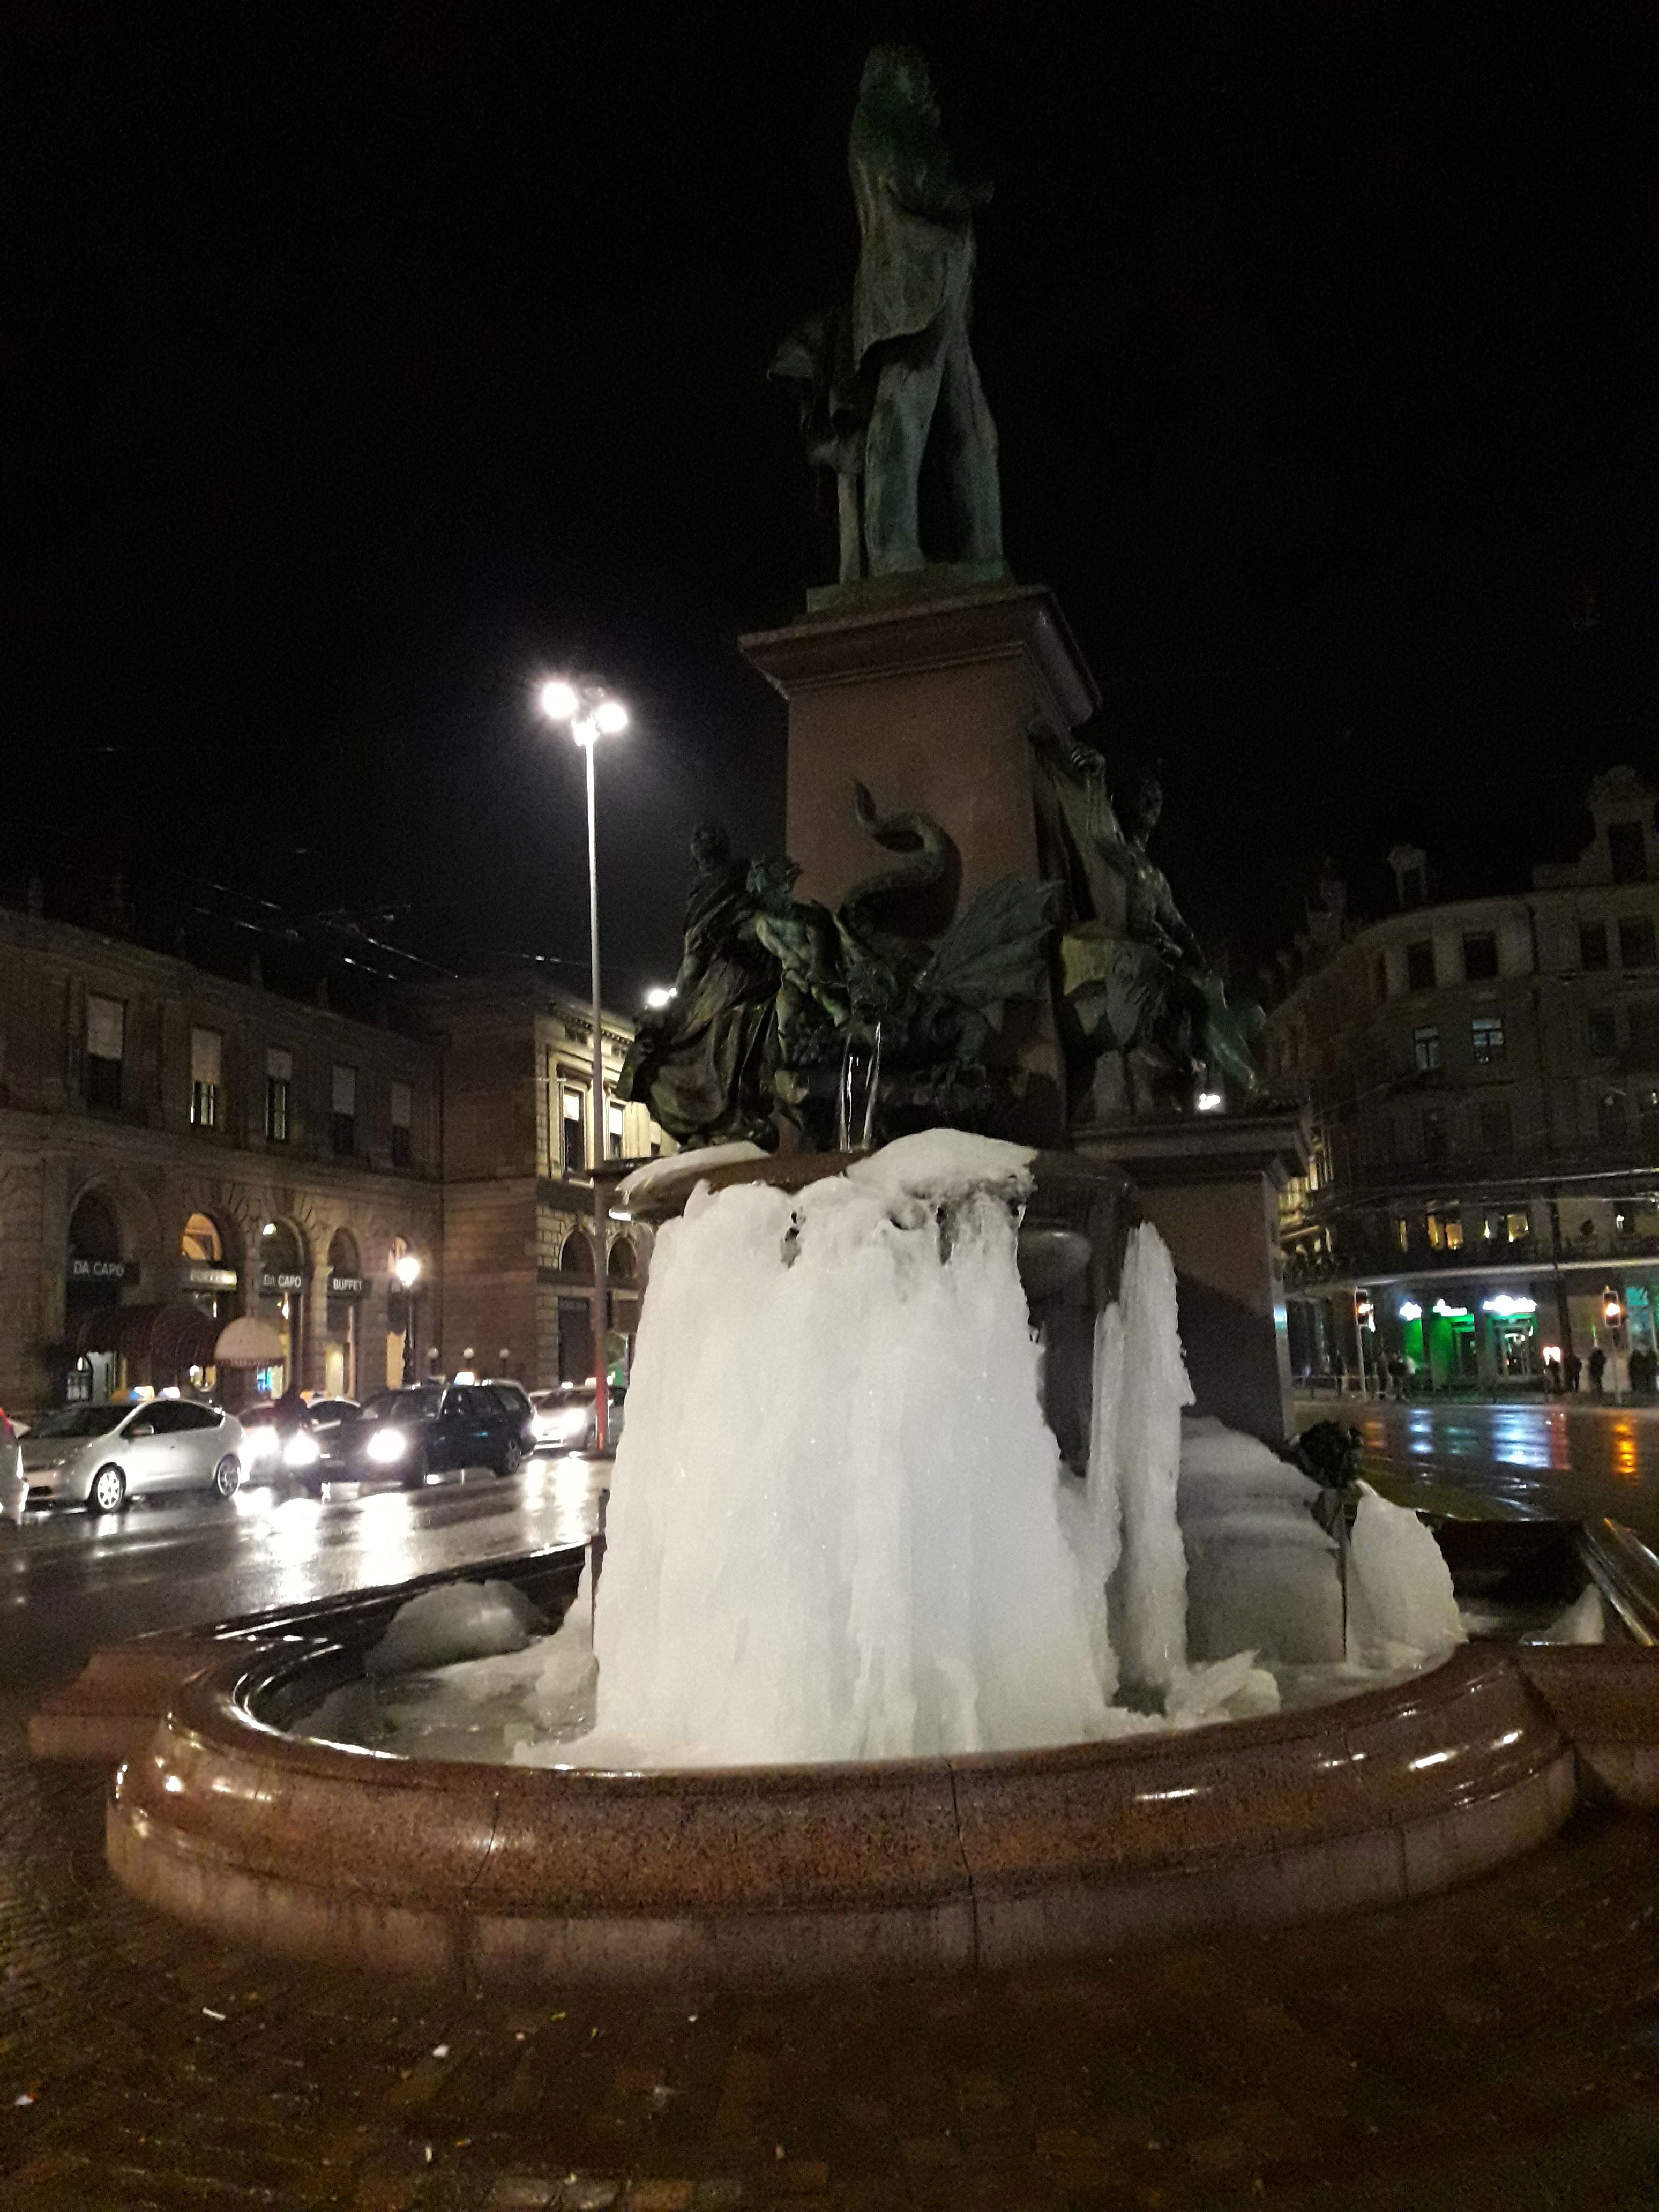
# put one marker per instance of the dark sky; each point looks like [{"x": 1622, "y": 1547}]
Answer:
[{"x": 366, "y": 362}]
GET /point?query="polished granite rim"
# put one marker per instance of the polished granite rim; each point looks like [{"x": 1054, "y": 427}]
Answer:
[{"x": 753, "y": 1875}]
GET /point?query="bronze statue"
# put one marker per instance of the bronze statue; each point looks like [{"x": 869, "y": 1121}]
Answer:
[
  {"x": 1149, "y": 1025},
  {"x": 776, "y": 999},
  {"x": 834, "y": 400},
  {"x": 704, "y": 1063},
  {"x": 911, "y": 303}
]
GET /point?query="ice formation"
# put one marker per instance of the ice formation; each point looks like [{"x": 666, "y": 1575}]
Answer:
[
  {"x": 835, "y": 1528},
  {"x": 840, "y": 1528},
  {"x": 456, "y": 1620},
  {"x": 1399, "y": 1589}
]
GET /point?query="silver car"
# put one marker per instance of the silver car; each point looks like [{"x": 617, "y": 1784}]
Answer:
[{"x": 101, "y": 1454}]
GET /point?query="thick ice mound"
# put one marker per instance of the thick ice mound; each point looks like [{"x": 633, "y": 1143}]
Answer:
[
  {"x": 1401, "y": 1604},
  {"x": 457, "y": 1620},
  {"x": 835, "y": 1528}
]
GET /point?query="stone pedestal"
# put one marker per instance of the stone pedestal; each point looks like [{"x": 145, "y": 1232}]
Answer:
[
  {"x": 1211, "y": 1187},
  {"x": 926, "y": 696}
]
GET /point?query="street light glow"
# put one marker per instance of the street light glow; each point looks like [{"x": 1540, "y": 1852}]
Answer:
[
  {"x": 659, "y": 996},
  {"x": 560, "y": 702},
  {"x": 611, "y": 717},
  {"x": 407, "y": 1270}
]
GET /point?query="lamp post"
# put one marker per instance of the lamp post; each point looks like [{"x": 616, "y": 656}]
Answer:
[
  {"x": 409, "y": 1273},
  {"x": 591, "y": 713}
]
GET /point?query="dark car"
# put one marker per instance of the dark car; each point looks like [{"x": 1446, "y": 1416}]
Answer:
[
  {"x": 427, "y": 1428},
  {"x": 278, "y": 1443}
]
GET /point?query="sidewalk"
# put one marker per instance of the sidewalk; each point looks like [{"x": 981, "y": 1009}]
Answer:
[{"x": 1495, "y": 2048}]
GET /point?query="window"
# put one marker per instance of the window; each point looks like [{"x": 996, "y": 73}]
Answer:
[
  {"x": 403, "y": 1115},
  {"x": 1425, "y": 1049},
  {"x": 613, "y": 1131},
  {"x": 1402, "y": 1234},
  {"x": 1380, "y": 979},
  {"x": 206, "y": 1052},
  {"x": 345, "y": 1110},
  {"x": 1603, "y": 1032},
  {"x": 1592, "y": 945},
  {"x": 574, "y": 1157},
  {"x": 1644, "y": 1035},
  {"x": 107, "y": 1021},
  {"x": 279, "y": 1080},
  {"x": 1419, "y": 967},
  {"x": 1496, "y": 1135},
  {"x": 1436, "y": 1234},
  {"x": 1480, "y": 956},
  {"x": 1518, "y": 1227},
  {"x": 1610, "y": 1117},
  {"x": 1434, "y": 1135},
  {"x": 1486, "y": 1038},
  {"x": 1627, "y": 850},
  {"x": 1636, "y": 946}
]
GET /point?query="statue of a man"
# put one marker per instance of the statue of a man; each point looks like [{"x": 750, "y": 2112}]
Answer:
[{"x": 911, "y": 301}]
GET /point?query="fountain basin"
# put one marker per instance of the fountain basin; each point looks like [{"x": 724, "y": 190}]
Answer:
[{"x": 755, "y": 1876}]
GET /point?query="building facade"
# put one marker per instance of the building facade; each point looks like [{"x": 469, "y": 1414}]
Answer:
[
  {"x": 522, "y": 1130},
  {"x": 1484, "y": 1077},
  {"x": 178, "y": 1150}
]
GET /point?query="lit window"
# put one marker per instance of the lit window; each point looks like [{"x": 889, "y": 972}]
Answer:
[
  {"x": 1486, "y": 1038},
  {"x": 1435, "y": 1229},
  {"x": 1517, "y": 1225},
  {"x": 574, "y": 1157},
  {"x": 206, "y": 1055},
  {"x": 1425, "y": 1049},
  {"x": 1402, "y": 1234}
]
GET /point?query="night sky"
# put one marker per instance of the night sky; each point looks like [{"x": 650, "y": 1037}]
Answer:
[{"x": 368, "y": 363}]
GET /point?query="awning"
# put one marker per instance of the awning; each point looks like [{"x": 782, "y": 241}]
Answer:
[
  {"x": 165, "y": 1340},
  {"x": 253, "y": 1341}
]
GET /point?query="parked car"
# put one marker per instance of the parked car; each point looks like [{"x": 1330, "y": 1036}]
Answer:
[
  {"x": 14, "y": 1485},
  {"x": 273, "y": 1441},
  {"x": 428, "y": 1428},
  {"x": 566, "y": 1419},
  {"x": 100, "y": 1456}
]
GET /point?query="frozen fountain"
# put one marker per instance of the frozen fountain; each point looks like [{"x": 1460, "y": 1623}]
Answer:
[{"x": 923, "y": 1638}]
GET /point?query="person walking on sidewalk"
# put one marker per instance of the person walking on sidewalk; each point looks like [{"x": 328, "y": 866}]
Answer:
[{"x": 1598, "y": 1361}]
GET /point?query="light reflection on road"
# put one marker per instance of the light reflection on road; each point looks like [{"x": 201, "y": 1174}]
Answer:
[
  {"x": 1569, "y": 1460},
  {"x": 70, "y": 1580}
]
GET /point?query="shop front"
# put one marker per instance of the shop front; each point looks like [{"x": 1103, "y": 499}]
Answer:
[
  {"x": 346, "y": 1289},
  {"x": 98, "y": 1277},
  {"x": 281, "y": 1284}
]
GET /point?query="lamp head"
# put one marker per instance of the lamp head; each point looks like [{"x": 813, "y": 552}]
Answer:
[{"x": 407, "y": 1270}]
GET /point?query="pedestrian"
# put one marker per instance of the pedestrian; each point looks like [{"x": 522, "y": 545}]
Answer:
[
  {"x": 1397, "y": 1375},
  {"x": 1340, "y": 1370},
  {"x": 1552, "y": 1378},
  {"x": 1411, "y": 1375},
  {"x": 1574, "y": 1370},
  {"x": 1598, "y": 1362}
]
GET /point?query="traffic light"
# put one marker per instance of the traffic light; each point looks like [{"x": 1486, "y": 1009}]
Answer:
[
  {"x": 1612, "y": 1312},
  {"x": 1361, "y": 1308}
]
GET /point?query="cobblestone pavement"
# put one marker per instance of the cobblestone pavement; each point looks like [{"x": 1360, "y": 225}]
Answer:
[{"x": 1496, "y": 2048}]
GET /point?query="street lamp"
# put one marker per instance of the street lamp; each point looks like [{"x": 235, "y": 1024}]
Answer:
[
  {"x": 408, "y": 1272},
  {"x": 591, "y": 713}
]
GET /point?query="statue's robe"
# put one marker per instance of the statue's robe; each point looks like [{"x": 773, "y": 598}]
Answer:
[{"x": 705, "y": 1066}]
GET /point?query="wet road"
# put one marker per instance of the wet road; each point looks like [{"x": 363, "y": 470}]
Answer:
[
  {"x": 1533, "y": 1461},
  {"x": 69, "y": 1581}
]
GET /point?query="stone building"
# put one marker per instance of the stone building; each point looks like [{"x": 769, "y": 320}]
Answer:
[
  {"x": 521, "y": 1130},
  {"x": 1484, "y": 1080},
  {"x": 178, "y": 1150}
]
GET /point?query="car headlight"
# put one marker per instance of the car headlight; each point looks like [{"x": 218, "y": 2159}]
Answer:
[
  {"x": 262, "y": 1443},
  {"x": 303, "y": 1449},
  {"x": 387, "y": 1445},
  {"x": 545, "y": 1427}
]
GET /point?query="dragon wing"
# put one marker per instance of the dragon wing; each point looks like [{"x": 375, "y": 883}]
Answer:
[{"x": 993, "y": 950}]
